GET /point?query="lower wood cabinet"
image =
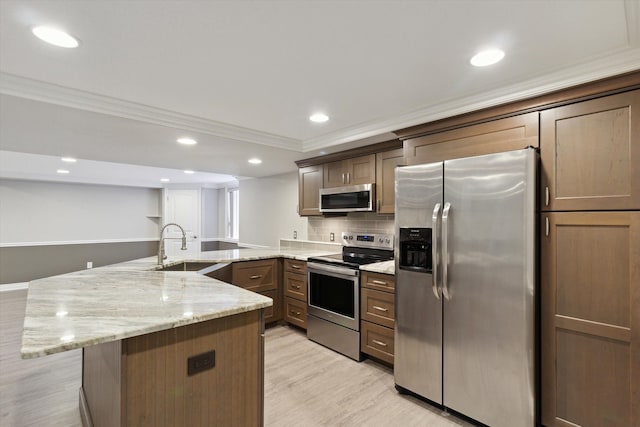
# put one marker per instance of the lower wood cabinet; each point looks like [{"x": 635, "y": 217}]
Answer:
[
  {"x": 145, "y": 380},
  {"x": 295, "y": 292},
  {"x": 377, "y": 314},
  {"x": 273, "y": 313},
  {"x": 264, "y": 277},
  {"x": 295, "y": 312},
  {"x": 378, "y": 307},
  {"x": 377, "y": 341},
  {"x": 590, "y": 319}
]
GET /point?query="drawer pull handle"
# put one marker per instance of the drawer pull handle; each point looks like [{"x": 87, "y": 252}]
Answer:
[
  {"x": 379, "y": 282},
  {"x": 297, "y": 313},
  {"x": 380, "y": 343},
  {"x": 257, "y": 276},
  {"x": 296, "y": 286},
  {"x": 296, "y": 267},
  {"x": 375, "y": 307}
]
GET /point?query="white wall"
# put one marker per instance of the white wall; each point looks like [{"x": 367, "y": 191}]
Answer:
[
  {"x": 33, "y": 211},
  {"x": 210, "y": 227},
  {"x": 268, "y": 210}
]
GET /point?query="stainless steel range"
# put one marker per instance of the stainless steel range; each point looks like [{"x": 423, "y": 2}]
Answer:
[{"x": 334, "y": 290}]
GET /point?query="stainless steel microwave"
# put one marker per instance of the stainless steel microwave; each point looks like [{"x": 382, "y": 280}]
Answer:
[{"x": 351, "y": 198}]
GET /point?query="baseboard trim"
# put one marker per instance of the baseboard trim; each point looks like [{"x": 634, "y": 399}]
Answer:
[
  {"x": 14, "y": 287},
  {"x": 77, "y": 242}
]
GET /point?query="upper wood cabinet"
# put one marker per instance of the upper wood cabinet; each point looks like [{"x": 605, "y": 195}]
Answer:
[
  {"x": 512, "y": 133},
  {"x": 590, "y": 154},
  {"x": 386, "y": 163},
  {"x": 590, "y": 311},
  {"x": 354, "y": 171},
  {"x": 309, "y": 185}
]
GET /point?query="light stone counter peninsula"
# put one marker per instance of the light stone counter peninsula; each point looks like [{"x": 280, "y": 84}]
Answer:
[{"x": 159, "y": 347}]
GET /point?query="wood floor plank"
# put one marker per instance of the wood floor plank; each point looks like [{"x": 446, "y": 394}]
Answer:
[{"x": 305, "y": 384}]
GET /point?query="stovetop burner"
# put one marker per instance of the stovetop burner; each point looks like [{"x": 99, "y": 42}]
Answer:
[{"x": 359, "y": 249}]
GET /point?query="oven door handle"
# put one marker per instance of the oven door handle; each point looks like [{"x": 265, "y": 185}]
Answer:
[{"x": 313, "y": 267}]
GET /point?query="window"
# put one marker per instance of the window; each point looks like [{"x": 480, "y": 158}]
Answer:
[{"x": 233, "y": 203}]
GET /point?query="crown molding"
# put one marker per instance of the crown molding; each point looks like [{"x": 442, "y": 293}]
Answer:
[
  {"x": 11, "y": 84},
  {"x": 619, "y": 62}
]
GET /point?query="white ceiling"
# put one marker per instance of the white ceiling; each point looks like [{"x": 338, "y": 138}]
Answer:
[{"x": 242, "y": 77}]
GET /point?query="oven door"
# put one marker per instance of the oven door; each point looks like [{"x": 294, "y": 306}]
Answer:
[{"x": 334, "y": 294}]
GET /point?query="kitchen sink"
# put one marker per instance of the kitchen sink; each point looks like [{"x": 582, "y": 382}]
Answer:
[
  {"x": 220, "y": 270},
  {"x": 187, "y": 266}
]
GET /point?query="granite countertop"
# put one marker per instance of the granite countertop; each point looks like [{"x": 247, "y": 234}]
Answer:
[
  {"x": 131, "y": 298},
  {"x": 384, "y": 267}
]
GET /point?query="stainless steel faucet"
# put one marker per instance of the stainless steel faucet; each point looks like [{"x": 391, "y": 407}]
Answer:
[{"x": 161, "y": 253}]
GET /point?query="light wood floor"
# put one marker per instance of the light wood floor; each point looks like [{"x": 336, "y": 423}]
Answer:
[{"x": 305, "y": 384}]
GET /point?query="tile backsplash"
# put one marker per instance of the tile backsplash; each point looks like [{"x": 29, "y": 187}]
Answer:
[{"x": 320, "y": 228}]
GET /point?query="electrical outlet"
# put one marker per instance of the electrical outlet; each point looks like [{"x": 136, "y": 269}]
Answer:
[
  {"x": 332, "y": 237},
  {"x": 295, "y": 234},
  {"x": 89, "y": 264}
]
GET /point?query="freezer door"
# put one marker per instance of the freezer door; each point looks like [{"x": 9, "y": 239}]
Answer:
[
  {"x": 418, "y": 332},
  {"x": 489, "y": 314}
]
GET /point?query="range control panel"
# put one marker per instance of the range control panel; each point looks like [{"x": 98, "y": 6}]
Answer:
[{"x": 367, "y": 240}]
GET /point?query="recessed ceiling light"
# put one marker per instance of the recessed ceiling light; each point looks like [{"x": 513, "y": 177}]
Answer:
[
  {"x": 322, "y": 153},
  {"x": 255, "y": 161},
  {"x": 487, "y": 57},
  {"x": 62, "y": 171},
  {"x": 68, "y": 159},
  {"x": 187, "y": 141},
  {"x": 189, "y": 172},
  {"x": 164, "y": 179},
  {"x": 319, "y": 118},
  {"x": 55, "y": 37}
]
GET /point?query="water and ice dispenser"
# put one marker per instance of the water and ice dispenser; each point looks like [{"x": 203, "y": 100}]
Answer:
[{"x": 415, "y": 249}]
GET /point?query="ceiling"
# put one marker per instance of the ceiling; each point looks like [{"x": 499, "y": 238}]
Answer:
[{"x": 242, "y": 77}]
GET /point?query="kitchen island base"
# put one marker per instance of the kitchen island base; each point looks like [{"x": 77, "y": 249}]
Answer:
[{"x": 144, "y": 380}]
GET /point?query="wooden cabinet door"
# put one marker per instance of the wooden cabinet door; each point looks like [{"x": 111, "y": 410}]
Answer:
[
  {"x": 386, "y": 163},
  {"x": 512, "y": 133},
  {"x": 309, "y": 185},
  {"x": 295, "y": 312},
  {"x": 361, "y": 170},
  {"x": 334, "y": 174},
  {"x": 256, "y": 276},
  {"x": 590, "y": 319},
  {"x": 590, "y": 154},
  {"x": 355, "y": 171}
]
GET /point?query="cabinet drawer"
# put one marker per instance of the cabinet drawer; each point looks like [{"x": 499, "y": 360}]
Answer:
[
  {"x": 377, "y": 341},
  {"x": 273, "y": 313},
  {"x": 295, "y": 312},
  {"x": 378, "y": 307},
  {"x": 256, "y": 276},
  {"x": 295, "y": 285},
  {"x": 379, "y": 281},
  {"x": 295, "y": 266}
]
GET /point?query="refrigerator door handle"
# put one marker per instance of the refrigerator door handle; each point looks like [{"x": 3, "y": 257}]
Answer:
[
  {"x": 445, "y": 250},
  {"x": 435, "y": 261}
]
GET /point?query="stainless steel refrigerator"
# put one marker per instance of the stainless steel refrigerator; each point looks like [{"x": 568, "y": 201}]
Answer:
[{"x": 465, "y": 285}]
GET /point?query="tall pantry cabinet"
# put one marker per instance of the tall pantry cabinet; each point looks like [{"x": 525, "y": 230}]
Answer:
[{"x": 590, "y": 262}]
